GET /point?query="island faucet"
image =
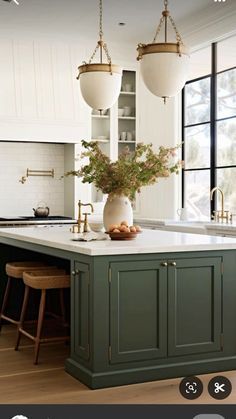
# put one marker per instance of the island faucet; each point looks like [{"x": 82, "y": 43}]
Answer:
[
  {"x": 85, "y": 221},
  {"x": 222, "y": 214},
  {"x": 77, "y": 227}
]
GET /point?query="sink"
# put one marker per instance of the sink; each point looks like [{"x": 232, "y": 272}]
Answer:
[{"x": 189, "y": 222}]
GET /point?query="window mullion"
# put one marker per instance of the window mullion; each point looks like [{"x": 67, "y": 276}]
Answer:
[
  {"x": 213, "y": 132},
  {"x": 183, "y": 146}
]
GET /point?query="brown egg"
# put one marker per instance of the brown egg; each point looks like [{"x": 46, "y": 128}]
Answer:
[
  {"x": 116, "y": 230},
  {"x": 133, "y": 229},
  {"x": 112, "y": 227},
  {"x": 122, "y": 228},
  {"x": 138, "y": 228},
  {"x": 127, "y": 230},
  {"x": 124, "y": 223}
]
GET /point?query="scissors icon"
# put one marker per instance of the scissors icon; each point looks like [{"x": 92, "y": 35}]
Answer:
[{"x": 219, "y": 387}]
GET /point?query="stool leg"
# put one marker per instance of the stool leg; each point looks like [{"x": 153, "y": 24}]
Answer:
[
  {"x": 40, "y": 325},
  {"x": 5, "y": 299},
  {"x": 22, "y": 316}
]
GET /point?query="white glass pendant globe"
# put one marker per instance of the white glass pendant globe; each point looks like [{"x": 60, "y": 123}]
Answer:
[
  {"x": 100, "y": 84},
  {"x": 164, "y": 71}
]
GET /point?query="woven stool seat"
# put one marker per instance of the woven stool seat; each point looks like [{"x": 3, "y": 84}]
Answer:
[
  {"x": 43, "y": 280},
  {"x": 46, "y": 279},
  {"x": 14, "y": 270}
]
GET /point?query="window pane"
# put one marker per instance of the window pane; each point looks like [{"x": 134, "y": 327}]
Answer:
[
  {"x": 226, "y": 54},
  {"x": 226, "y": 142},
  {"x": 226, "y": 92},
  {"x": 200, "y": 63},
  {"x": 197, "y": 102},
  {"x": 197, "y": 147},
  {"x": 226, "y": 180},
  {"x": 197, "y": 194}
]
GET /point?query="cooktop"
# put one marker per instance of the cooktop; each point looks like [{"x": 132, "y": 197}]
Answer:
[{"x": 31, "y": 220}]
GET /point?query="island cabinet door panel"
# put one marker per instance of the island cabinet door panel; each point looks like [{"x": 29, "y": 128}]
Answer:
[
  {"x": 138, "y": 316},
  {"x": 194, "y": 306},
  {"x": 81, "y": 310}
]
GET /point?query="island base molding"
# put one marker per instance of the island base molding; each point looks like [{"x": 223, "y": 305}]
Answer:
[{"x": 141, "y": 375}]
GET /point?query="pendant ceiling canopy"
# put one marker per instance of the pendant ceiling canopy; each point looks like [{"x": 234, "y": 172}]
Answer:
[
  {"x": 14, "y": 1},
  {"x": 100, "y": 83},
  {"x": 164, "y": 66}
]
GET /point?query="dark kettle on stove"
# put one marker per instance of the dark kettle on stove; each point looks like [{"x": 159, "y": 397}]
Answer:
[{"x": 42, "y": 210}]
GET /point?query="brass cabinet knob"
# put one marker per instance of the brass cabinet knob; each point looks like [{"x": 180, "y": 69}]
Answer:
[
  {"x": 75, "y": 272},
  {"x": 164, "y": 264},
  {"x": 173, "y": 263}
]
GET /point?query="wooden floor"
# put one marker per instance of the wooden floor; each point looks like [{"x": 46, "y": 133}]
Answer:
[{"x": 23, "y": 382}]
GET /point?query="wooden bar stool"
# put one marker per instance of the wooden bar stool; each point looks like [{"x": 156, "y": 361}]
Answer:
[
  {"x": 14, "y": 271},
  {"x": 42, "y": 280}
]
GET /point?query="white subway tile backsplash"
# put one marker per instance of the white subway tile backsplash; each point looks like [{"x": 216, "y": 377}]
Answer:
[{"x": 19, "y": 199}]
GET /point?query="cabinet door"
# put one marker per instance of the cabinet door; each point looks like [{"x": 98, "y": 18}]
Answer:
[
  {"x": 80, "y": 310},
  {"x": 194, "y": 306},
  {"x": 138, "y": 302}
]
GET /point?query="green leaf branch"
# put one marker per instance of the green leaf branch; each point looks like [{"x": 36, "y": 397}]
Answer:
[{"x": 130, "y": 171}]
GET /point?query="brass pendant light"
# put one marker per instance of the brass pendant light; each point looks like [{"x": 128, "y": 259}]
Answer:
[
  {"x": 164, "y": 66},
  {"x": 100, "y": 83}
]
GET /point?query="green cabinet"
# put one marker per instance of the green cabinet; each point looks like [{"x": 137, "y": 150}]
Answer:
[
  {"x": 80, "y": 310},
  {"x": 194, "y": 306},
  {"x": 165, "y": 308},
  {"x": 138, "y": 311}
]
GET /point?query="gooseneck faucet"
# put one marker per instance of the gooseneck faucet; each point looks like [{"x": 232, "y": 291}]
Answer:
[
  {"x": 216, "y": 188},
  {"x": 222, "y": 214},
  {"x": 85, "y": 221}
]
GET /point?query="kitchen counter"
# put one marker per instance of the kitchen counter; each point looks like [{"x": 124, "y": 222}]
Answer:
[
  {"x": 149, "y": 241},
  {"x": 191, "y": 226},
  {"x": 157, "y": 307}
]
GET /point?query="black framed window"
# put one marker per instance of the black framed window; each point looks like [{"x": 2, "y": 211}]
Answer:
[{"x": 209, "y": 134}]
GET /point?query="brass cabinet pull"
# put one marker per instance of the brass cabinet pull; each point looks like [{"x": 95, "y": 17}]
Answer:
[
  {"x": 164, "y": 264},
  {"x": 76, "y": 272},
  {"x": 173, "y": 263}
]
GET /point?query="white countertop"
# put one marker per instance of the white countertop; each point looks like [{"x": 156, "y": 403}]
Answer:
[
  {"x": 191, "y": 226},
  {"x": 149, "y": 241}
]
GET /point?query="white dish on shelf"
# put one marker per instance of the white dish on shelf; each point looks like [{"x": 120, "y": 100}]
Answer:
[
  {"x": 120, "y": 112},
  {"x": 102, "y": 137}
]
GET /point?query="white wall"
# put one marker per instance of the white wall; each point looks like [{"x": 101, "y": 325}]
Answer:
[
  {"x": 19, "y": 199},
  {"x": 158, "y": 124}
]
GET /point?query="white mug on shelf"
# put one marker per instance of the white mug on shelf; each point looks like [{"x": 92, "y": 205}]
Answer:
[
  {"x": 123, "y": 135},
  {"x": 127, "y": 110},
  {"x": 128, "y": 87},
  {"x": 182, "y": 213},
  {"x": 129, "y": 136}
]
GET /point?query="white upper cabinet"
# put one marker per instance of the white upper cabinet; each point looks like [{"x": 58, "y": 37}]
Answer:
[{"x": 40, "y": 97}]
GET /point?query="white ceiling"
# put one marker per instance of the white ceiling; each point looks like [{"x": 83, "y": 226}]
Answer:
[{"x": 79, "y": 18}]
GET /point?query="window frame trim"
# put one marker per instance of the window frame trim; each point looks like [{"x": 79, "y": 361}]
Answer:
[{"x": 213, "y": 128}]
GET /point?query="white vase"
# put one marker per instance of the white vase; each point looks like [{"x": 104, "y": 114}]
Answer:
[{"x": 117, "y": 209}]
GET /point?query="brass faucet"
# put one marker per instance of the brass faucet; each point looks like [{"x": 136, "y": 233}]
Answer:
[
  {"x": 85, "y": 221},
  {"x": 222, "y": 214},
  {"x": 77, "y": 228}
]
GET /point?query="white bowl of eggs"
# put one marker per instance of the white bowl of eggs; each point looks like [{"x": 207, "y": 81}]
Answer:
[{"x": 123, "y": 231}]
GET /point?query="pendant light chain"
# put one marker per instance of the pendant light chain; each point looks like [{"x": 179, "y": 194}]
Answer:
[
  {"x": 101, "y": 44},
  {"x": 165, "y": 16}
]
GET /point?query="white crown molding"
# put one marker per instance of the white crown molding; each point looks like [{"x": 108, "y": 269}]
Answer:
[{"x": 211, "y": 24}]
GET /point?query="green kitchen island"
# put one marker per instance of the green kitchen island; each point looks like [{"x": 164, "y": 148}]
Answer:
[{"x": 161, "y": 306}]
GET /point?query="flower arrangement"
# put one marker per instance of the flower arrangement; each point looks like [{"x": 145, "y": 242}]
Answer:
[{"x": 130, "y": 172}]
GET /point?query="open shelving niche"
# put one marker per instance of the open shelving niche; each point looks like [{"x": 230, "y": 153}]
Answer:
[{"x": 107, "y": 129}]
